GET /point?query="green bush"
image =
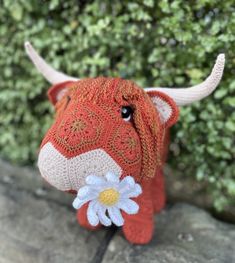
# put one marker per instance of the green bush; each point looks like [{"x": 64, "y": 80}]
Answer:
[{"x": 161, "y": 43}]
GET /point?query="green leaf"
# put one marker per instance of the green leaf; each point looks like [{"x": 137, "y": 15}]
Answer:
[
  {"x": 230, "y": 125},
  {"x": 16, "y": 11},
  {"x": 220, "y": 93}
]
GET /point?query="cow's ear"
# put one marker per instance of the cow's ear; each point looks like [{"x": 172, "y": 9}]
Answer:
[
  {"x": 165, "y": 106},
  {"x": 57, "y": 91}
]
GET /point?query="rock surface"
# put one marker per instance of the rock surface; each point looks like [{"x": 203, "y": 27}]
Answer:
[
  {"x": 183, "y": 234},
  {"x": 38, "y": 224}
]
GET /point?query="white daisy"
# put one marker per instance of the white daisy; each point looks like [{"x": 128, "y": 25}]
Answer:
[{"x": 106, "y": 197}]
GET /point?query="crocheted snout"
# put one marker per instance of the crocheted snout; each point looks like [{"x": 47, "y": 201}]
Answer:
[
  {"x": 85, "y": 141},
  {"x": 70, "y": 174}
]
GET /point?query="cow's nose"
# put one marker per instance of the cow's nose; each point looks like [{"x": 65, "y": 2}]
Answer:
[{"x": 70, "y": 173}]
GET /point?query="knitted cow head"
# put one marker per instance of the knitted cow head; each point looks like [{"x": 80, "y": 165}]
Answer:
[
  {"x": 101, "y": 125},
  {"x": 107, "y": 130}
]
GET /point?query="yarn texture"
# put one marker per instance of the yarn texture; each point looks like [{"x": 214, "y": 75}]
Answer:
[
  {"x": 107, "y": 196},
  {"x": 109, "y": 142},
  {"x": 89, "y": 138}
]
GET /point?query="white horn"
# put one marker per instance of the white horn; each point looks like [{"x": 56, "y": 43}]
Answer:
[
  {"x": 185, "y": 96},
  {"x": 50, "y": 74}
]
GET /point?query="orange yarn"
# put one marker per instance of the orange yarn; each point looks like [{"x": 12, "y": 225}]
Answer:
[
  {"x": 89, "y": 117},
  {"x": 96, "y": 103}
]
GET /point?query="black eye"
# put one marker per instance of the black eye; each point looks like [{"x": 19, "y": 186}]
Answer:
[
  {"x": 67, "y": 101},
  {"x": 126, "y": 113}
]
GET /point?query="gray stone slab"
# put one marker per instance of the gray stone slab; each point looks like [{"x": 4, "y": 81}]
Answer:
[
  {"x": 38, "y": 224},
  {"x": 183, "y": 234},
  {"x": 33, "y": 230},
  {"x": 29, "y": 179}
]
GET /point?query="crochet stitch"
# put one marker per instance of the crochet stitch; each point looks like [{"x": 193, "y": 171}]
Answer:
[
  {"x": 108, "y": 195},
  {"x": 89, "y": 133},
  {"x": 108, "y": 145}
]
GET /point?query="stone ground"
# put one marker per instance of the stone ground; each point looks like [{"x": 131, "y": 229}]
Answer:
[{"x": 37, "y": 224}]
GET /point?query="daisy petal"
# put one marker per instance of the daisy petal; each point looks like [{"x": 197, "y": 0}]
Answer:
[
  {"x": 112, "y": 177},
  {"x": 78, "y": 203},
  {"x": 115, "y": 216},
  {"x": 95, "y": 180},
  {"x": 138, "y": 189},
  {"x": 134, "y": 192},
  {"x": 85, "y": 191},
  {"x": 129, "y": 180},
  {"x": 129, "y": 206},
  {"x": 91, "y": 213},
  {"x": 104, "y": 220},
  {"x": 126, "y": 184}
]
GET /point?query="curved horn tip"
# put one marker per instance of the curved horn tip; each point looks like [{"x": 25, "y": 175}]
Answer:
[
  {"x": 220, "y": 58},
  {"x": 27, "y": 45}
]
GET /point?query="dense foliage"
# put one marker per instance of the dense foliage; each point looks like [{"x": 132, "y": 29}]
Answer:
[{"x": 155, "y": 43}]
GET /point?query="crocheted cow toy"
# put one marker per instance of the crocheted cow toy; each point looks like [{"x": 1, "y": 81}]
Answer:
[{"x": 108, "y": 144}]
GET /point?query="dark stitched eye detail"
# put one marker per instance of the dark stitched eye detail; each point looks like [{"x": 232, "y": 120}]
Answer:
[
  {"x": 67, "y": 101},
  {"x": 126, "y": 113}
]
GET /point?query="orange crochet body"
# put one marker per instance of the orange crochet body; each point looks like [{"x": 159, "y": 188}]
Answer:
[
  {"x": 109, "y": 142},
  {"x": 88, "y": 117}
]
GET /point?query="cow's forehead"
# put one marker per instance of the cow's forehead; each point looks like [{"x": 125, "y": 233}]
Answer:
[{"x": 105, "y": 89}]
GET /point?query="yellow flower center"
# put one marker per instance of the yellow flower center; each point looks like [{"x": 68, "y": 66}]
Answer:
[{"x": 109, "y": 197}]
